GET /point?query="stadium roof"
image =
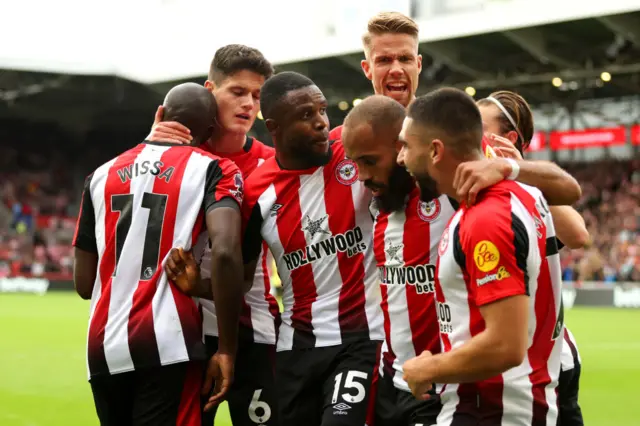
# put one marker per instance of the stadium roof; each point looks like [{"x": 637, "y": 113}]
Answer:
[{"x": 525, "y": 60}]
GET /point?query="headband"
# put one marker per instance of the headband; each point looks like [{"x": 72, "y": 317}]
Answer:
[{"x": 506, "y": 114}]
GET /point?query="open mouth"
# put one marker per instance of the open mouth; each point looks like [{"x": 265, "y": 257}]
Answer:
[
  {"x": 397, "y": 87},
  {"x": 243, "y": 116}
]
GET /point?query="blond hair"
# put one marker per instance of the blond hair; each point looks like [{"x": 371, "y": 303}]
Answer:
[{"x": 389, "y": 23}]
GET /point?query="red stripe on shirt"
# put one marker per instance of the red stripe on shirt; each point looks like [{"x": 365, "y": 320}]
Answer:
[
  {"x": 342, "y": 218},
  {"x": 302, "y": 280},
  {"x": 95, "y": 344},
  {"x": 421, "y": 307}
]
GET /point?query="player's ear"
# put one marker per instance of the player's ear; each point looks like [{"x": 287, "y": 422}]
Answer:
[
  {"x": 419, "y": 64},
  {"x": 436, "y": 151},
  {"x": 210, "y": 85},
  {"x": 271, "y": 124},
  {"x": 512, "y": 136},
  {"x": 366, "y": 68}
]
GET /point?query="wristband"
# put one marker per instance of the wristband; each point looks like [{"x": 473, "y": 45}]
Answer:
[{"x": 515, "y": 169}]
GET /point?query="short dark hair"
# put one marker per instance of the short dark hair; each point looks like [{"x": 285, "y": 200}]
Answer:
[
  {"x": 277, "y": 88},
  {"x": 378, "y": 111},
  {"x": 453, "y": 116},
  {"x": 232, "y": 58}
]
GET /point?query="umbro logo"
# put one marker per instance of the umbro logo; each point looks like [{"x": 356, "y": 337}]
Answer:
[
  {"x": 341, "y": 409},
  {"x": 274, "y": 209}
]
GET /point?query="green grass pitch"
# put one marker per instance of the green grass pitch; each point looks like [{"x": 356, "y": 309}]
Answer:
[{"x": 43, "y": 378}]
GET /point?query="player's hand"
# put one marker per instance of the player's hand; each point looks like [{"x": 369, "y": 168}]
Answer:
[
  {"x": 416, "y": 375},
  {"x": 182, "y": 269},
  {"x": 473, "y": 176},
  {"x": 503, "y": 147},
  {"x": 168, "y": 131},
  {"x": 220, "y": 375}
]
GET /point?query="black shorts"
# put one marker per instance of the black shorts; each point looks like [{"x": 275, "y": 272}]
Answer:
[
  {"x": 569, "y": 412},
  {"x": 252, "y": 397},
  {"x": 396, "y": 407},
  {"x": 161, "y": 396},
  {"x": 328, "y": 386}
]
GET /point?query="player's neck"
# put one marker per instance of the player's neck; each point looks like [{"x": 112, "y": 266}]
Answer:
[
  {"x": 228, "y": 142},
  {"x": 447, "y": 186}
]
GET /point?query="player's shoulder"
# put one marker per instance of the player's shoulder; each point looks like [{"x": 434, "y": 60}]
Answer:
[
  {"x": 336, "y": 133},
  {"x": 261, "y": 178},
  {"x": 261, "y": 150},
  {"x": 225, "y": 164},
  {"x": 491, "y": 203}
]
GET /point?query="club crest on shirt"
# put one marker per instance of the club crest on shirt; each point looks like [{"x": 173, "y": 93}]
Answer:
[
  {"x": 486, "y": 256},
  {"x": 429, "y": 210},
  {"x": 239, "y": 184},
  {"x": 394, "y": 253},
  {"x": 314, "y": 226},
  {"x": 444, "y": 242},
  {"x": 347, "y": 172}
]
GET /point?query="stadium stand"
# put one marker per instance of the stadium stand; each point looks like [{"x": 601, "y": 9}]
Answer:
[
  {"x": 40, "y": 198},
  {"x": 610, "y": 205}
]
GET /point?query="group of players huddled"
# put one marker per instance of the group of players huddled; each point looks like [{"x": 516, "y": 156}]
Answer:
[{"x": 417, "y": 250}]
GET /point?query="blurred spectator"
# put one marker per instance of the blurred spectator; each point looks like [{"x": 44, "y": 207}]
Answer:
[
  {"x": 41, "y": 182},
  {"x": 610, "y": 206}
]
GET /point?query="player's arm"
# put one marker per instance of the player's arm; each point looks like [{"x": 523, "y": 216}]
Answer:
[
  {"x": 501, "y": 295},
  {"x": 223, "y": 198},
  {"x": 251, "y": 240},
  {"x": 570, "y": 226},
  {"x": 558, "y": 186},
  {"x": 183, "y": 270},
  {"x": 85, "y": 256},
  {"x": 168, "y": 131}
]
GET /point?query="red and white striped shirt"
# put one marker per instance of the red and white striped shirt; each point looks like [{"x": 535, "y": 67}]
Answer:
[
  {"x": 259, "y": 309},
  {"x": 317, "y": 225},
  {"x": 407, "y": 273},
  {"x": 502, "y": 246},
  {"x": 135, "y": 208}
]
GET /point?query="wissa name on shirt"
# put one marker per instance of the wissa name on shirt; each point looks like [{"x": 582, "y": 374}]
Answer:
[{"x": 156, "y": 168}]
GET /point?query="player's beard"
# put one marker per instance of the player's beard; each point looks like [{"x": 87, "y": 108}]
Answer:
[
  {"x": 303, "y": 151},
  {"x": 428, "y": 187},
  {"x": 400, "y": 185}
]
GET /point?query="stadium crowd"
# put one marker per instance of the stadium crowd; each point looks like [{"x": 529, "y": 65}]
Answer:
[
  {"x": 610, "y": 205},
  {"x": 39, "y": 192}
]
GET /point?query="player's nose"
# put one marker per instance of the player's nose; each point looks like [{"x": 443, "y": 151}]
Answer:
[
  {"x": 396, "y": 69},
  {"x": 400, "y": 159}
]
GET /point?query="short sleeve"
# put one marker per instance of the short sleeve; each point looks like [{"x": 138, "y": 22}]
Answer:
[
  {"x": 495, "y": 245},
  {"x": 84, "y": 237},
  {"x": 251, "y": 231},
  {"x": 224, "y": 185}
]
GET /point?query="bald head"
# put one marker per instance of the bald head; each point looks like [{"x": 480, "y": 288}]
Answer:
[
  {"x": 370, "y": 138},
  {"x": 193, "y": 106},
  {"x": 380, "y": 113}
]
